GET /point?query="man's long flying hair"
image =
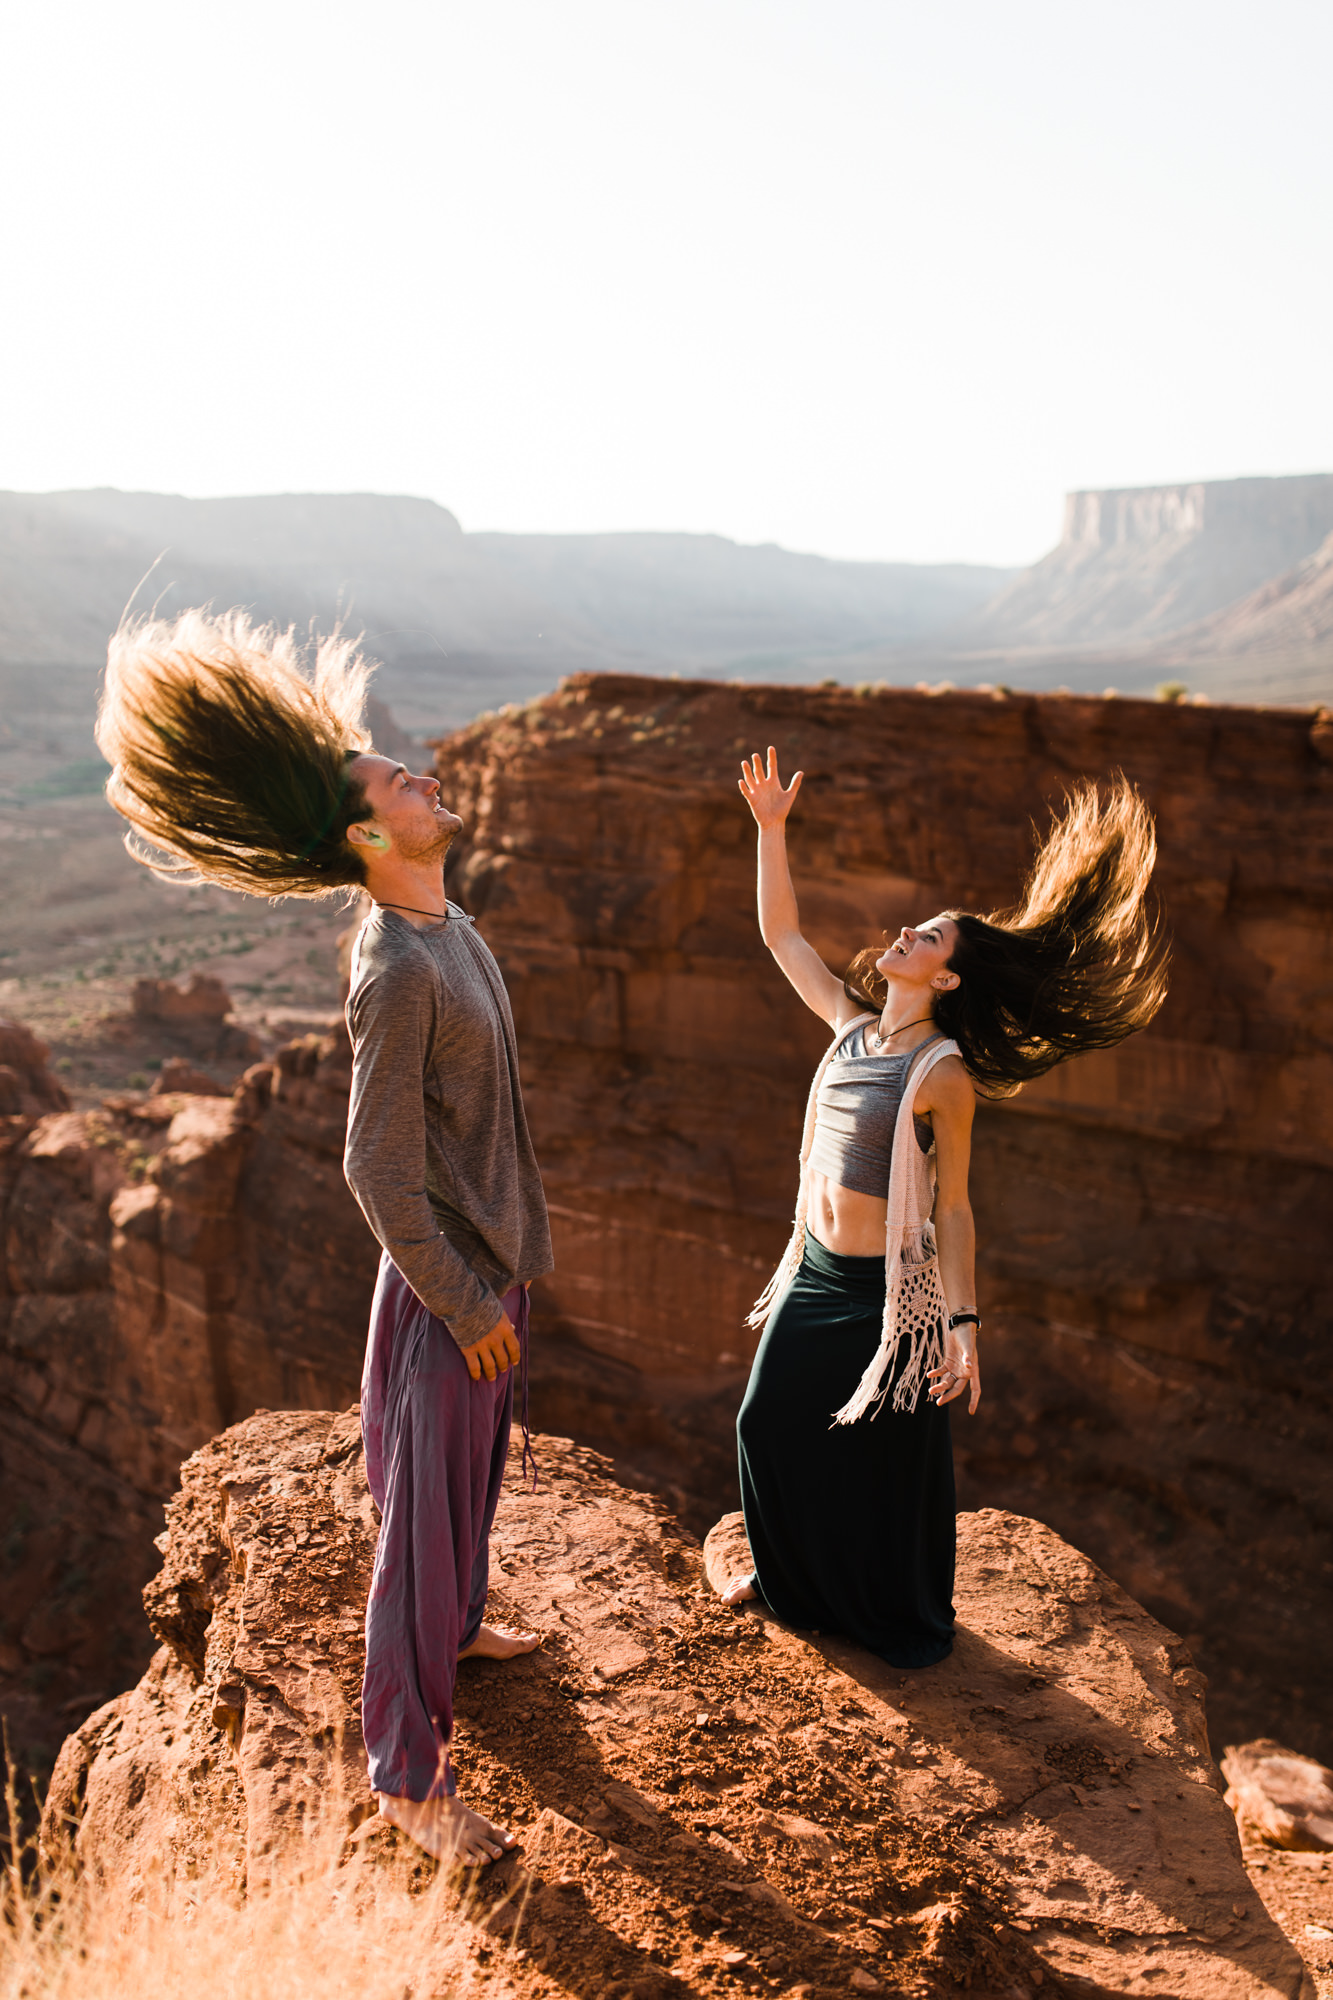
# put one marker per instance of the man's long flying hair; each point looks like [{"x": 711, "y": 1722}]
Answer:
[{"x": 231, "y": 762}]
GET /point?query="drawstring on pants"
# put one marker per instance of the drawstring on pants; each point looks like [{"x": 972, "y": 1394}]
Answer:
[{"x": 523, "y": 1345}]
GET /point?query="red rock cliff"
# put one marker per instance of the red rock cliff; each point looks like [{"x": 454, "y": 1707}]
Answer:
[
  {"x": 168, "y": 1266},
  {"x": 1153, "y": 1222},
  {"x": 705, "y": 1801}
]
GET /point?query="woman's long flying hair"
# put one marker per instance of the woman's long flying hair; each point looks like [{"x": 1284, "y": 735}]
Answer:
[
  {"x": 1079, "y": 965},
  {"x": 228, "y": 760}
]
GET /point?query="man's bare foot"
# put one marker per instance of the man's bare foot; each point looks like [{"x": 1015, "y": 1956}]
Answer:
[
  {"x": 740, "y": 1590},
  {"x": 500, "y": 1642},
  {"x": 448, "y": 1829}
]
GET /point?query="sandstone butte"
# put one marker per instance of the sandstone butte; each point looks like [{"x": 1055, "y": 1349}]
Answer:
[
  {"x": 1152, "y": 1223},
  {"x": 707, "y": 1803}
]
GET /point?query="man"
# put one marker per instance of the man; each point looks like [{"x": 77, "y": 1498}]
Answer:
[
  {"x": 439, "y": 1157},
  {"x": 241, "y": 771}
]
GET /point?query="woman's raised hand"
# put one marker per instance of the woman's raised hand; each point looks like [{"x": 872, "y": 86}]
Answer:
[{"x": 767, "y": 797}]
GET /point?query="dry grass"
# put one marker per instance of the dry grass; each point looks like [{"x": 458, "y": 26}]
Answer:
[{"x": 339, "y": 1919}]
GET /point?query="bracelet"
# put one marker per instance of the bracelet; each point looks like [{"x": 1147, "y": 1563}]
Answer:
[{"x": 964, "y": 1319}]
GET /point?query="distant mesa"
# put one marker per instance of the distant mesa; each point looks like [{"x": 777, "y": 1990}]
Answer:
[
  {"x": 1143, "y": 563},
  {"x": 1234, "y": 576},
  {"x": 1293, "y": 610},
  {"x": 461, "y": 622}
]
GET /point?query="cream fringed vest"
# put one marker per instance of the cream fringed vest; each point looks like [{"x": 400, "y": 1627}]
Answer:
[{"x": 915, "y": 1307}]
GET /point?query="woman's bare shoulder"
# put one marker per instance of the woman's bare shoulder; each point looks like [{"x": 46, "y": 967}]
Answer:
[
  {"x": 846, "y": 1012},
  {"x": 947, "y": 1087}
]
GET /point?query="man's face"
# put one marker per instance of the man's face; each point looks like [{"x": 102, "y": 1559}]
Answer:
[{"x": 404, "y": 811}]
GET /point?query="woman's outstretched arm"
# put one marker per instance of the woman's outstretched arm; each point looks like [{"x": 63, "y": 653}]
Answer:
[{"x": 779, "y": 918}]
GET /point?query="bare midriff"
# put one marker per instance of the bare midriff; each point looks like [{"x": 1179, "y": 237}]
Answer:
[{"x": 848, "y": 1223}]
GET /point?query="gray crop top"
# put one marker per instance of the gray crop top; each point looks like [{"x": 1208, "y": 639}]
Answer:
[{"x": 855, "y": 1114}]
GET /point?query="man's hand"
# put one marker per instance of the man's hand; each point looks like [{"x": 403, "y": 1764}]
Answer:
[{"x": 495, "y": 1353}]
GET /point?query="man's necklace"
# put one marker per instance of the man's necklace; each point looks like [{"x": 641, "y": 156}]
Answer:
[
  {"x": 879, "y": 1040},
  {"x": 441, "y": 917}
]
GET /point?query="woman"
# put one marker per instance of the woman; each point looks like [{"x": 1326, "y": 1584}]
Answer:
[{"x": 870, "y": 1321}]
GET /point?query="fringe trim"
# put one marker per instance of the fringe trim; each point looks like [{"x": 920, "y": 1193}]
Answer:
[
  {"x": 788, "y": 1265},
  {"x": 925, "y": 1352}
]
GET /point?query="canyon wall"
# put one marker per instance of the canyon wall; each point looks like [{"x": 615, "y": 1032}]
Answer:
[
  {"x": 1153, "y": 1222},
  {"x": 169, "y": 1264}
]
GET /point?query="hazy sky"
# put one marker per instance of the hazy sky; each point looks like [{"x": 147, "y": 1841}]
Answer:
[{"x": 869, "y": 277}]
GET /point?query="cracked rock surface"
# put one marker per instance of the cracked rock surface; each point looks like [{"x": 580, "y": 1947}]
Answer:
[{"x": 707, "y": 1802}]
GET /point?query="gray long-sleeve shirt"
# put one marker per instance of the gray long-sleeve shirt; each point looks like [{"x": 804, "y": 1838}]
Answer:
[{"x": 438, "y": 1150}]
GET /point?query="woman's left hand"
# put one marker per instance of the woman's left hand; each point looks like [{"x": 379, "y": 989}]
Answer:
[{"x": 960, "y": 1369}]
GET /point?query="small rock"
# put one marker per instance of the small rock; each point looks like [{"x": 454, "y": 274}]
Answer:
[
  {"x": 176, "y": 1074},
  {"x": 862, "y": 1981},
  {"x": 1288, "y": 1798},
  {"x": 734, "y": 1958}
]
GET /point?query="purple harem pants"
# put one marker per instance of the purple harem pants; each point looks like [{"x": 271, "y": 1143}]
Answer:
[{"x": 436, "y": 1443}]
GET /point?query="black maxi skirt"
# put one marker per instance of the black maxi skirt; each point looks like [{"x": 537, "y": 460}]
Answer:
[{"x": 851, "y": 1526}]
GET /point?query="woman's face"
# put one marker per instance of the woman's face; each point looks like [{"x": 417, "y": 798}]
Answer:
[{"x": 919, "y": 955}]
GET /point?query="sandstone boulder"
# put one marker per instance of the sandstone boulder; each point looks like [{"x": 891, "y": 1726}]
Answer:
[
  {"x": 27, "y": 1087},
  {"x": 179, "y": 1074},
  {"x": 1285, "y": 1798},
  {"x": 195, "y": 1011},
  {"x": 702, "y": 1795}
]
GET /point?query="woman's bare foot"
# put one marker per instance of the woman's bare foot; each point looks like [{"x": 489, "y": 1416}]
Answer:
[
  {"x": 500, "y": 1642},
  {"x": 448, "y": 1829},
  {"x": 740, "y": 1590}
]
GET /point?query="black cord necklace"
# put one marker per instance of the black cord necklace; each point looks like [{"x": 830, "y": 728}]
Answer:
[
  {"x": 413, "y": 911},
  {"x": 881, "y": 1039}
]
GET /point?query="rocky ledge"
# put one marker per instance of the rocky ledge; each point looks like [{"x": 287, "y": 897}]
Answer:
[{"x": 707, "y": 1802}]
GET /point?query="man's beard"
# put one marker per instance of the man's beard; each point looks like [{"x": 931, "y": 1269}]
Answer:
[{"x": 427, "y": 847}]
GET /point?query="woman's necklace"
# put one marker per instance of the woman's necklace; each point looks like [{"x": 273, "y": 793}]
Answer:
[{"x": 879, "y": 1040}]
